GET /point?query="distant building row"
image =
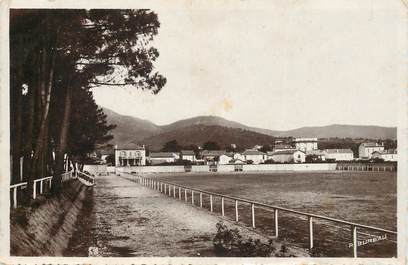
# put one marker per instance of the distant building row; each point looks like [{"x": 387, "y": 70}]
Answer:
[{"x": 134, "y": 155}]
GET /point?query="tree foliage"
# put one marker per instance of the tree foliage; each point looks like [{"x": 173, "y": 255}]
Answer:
[{"x": 56, "y": 56}]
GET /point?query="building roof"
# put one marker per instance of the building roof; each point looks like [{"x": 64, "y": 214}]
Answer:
[
  {"x": 187, "y": 152},
  {"x": 283, "y": 146},
  {"x": 286, "y": 152},
  {"x": 213, "y": 152},
  {"x": 129, "y": 146},
  {"x": 372, "y": 145},
  {"x": 304, "y": 140},
  {"x": 337, "y": 151},
  {"x": 252, "y": 152},
  {"x": 162, "y": 155}
]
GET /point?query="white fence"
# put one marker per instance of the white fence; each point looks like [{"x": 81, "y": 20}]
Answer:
[
  {"x": 44, "y": 184},
  {"x": 229, "y": 168},
  {"x": 187, "y": 194}
]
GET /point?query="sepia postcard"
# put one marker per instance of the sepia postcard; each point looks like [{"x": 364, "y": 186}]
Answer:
[{"x": 203, "y": 132}]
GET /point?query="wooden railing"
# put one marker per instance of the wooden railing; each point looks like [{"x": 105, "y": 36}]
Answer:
[
  {"x": 39, "y": 186},
  {"x": 86, "y": 179},
  {"x": 171, "y": 188}
]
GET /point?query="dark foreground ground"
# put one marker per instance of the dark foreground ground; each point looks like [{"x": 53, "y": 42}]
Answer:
[{"x": 364, "y": 197}]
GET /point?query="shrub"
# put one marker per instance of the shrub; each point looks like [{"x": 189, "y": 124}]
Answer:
[
  {"x": 225, "y": 239},
  {"x": 229, "y": 242}
]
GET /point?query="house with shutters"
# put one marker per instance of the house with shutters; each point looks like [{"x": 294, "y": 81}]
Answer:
[{"x": 130, "y": 155}]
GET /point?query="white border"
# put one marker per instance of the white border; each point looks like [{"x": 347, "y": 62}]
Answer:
[{"x": 193, "y": 4}]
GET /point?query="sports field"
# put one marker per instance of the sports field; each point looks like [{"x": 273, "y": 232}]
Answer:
[{"x": 368, "y": 198}]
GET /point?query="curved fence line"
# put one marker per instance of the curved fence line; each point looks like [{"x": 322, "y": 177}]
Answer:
[{"x": 169, "y": 189}]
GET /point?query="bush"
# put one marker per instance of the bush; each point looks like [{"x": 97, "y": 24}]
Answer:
[
  {"x": 225, "y": 239},
  {"x": 229, "y": 242}
]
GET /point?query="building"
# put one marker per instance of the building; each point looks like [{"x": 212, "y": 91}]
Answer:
[
  {"x": 390, "y": 155},
  {"x": 255, "y": 156},
  {"x": 305, "y": 144},
  {"x": 238, "y": 156},
  {"x": 212, "y": 156},
  {"x": 288, "y": 156},
  {"x": 224, "y": 159},
  {"x": 339, "y": 154},
  {"x": 386, "y": 155},
  {"x": 283, "y": 147},
  {"x": 188, "y": 155},
  {"x": 365, "y": 150},
  {"x": 157, "y": 158},
  {"x": 130, "y": 155},
  {"x": 317, "y": 155}
]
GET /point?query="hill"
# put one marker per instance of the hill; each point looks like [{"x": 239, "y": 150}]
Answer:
[
  {"x": 199, "y": 134},
  {"x": 129, "y": 128},
  {"x": 200, "y": 129}
]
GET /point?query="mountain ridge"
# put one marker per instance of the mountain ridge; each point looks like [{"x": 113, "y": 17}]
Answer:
[{"x": 132, "y": 129}]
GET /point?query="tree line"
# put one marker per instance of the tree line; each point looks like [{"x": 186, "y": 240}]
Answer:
[{"x": 57, "y": 56}]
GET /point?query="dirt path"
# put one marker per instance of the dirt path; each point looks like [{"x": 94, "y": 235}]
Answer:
[{"x": 132, "y": 220}]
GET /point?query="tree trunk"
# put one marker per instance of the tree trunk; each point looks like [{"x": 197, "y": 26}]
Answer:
[
  {"x": 62, "y": 143},
  {"x": 28, "y": 147},
  {"x": 16, "y": 130},
  {"x": 38, "y": 150}
]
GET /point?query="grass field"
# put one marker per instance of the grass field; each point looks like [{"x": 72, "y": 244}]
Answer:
[{"x": 364, "y": 197}]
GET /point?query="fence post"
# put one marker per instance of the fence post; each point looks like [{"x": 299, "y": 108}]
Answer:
[
  {"x": 179, "y": 193},
  {"x": 192, "y": 197},
  {"x": 354, "y": 236},
  {"x": 34, "y": 189},
  {"x": 276, "y": 223},
  {"x": 201, "y": 199},
  {"x": 253, "y": 214},
  {"x": 185, "y": 194},
  {"x": 236, "y": 210},
  {"x": 174, "y": 191},
  {"x": 211, "y": 203},
  {"x": 50, "y": 181},
  {"x": 41, "y": 186},
  {"x": 15, "y": 197},
  {"x": 222, "y": 206},
  {"x": 310, "y": 232}
]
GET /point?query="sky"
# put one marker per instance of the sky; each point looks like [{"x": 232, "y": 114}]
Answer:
[{"x": 277, "y": 65}]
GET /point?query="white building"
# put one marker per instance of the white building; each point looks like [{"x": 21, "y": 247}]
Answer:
[
  {"x": 238, "y": 156},
  {"x": 390, "y": 155},
  {"x": 288, "y": 156},
  {"x": 157, "y": 158},
  {"x": 386, "y": 155},
  {"x": 283, "y": 147},
  {"x": 188, "y": 155},
  {"x": 255, "y": 156},
  {"x": 305, "y": 144},
  {"x": 224, "y": 159},
  {"x": 130, "y": 155},
  {"x": 339, "y": 154},
  {"x": 365, "y": 150},
  {"x": 212, "y": 156}
]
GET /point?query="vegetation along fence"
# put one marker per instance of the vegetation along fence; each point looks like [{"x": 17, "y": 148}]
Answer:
[
  {"x": 44, "y": 184},
  {"x": 182, "y": 192},
  {"x": 367, "y": 166}
]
